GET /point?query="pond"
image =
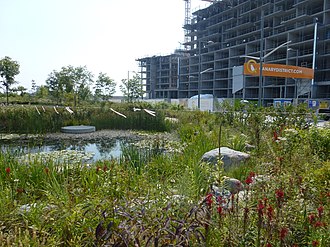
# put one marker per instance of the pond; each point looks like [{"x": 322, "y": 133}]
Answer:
[
  {"x": 87, "y": 151},
  {"x": 88, "y": 148}
]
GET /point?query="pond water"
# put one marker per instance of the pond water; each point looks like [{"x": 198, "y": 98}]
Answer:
[{"x": 94, "y": 149}]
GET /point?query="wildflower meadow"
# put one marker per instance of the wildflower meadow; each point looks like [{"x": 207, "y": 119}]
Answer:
[{"x": 280, "y": 196}]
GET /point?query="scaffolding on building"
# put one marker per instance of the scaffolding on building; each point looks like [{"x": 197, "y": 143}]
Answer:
[{"x": 235, "y": 29}]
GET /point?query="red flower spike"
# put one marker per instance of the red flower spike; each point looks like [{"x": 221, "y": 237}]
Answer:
[
  {"x": 320, "y": 209},
  {"x": 219, "y": 209},
  {"x": 252, "y": 174},
  {"x": 209, "y": 200},
  {"x": 8, "y": 170},
  {"x": 283, "y": 233},
  {"x": 46, "y": 170},
  {"x": 98, "y": 169},
  {"x": 220, "y": 199},
  {"x": 270, "y": 212},
  {"x": 261, "y": 206},
  {"x": 268, "y": 245},
  {"x": 20, "y": 190},
  {"x": 105, "y": 168},
  {"x": 318, "y": 224},
  {"x": 279, "y": 196},
  {"x": 275, "y": 136},
  {"x": 248, "y": 180},
  {"x": 315, "y": 243},
  {"x": 311, "y": 218}
]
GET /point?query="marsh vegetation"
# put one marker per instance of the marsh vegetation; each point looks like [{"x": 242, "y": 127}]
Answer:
[{"x": 165, "y": 199}]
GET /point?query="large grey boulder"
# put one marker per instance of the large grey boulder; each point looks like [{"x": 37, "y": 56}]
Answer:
[{"x": 230, "y": 157}]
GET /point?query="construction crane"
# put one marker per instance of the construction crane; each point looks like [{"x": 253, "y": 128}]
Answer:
[
  {"x": 186, "y": 21},
  {"x": 187, "y": 17},
  {"x": 188, "y": 9}
]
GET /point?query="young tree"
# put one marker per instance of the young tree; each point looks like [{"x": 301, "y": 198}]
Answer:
[
  {"x": 105, "y": 87},
  {"x": 41, "y": 92},
  {"x": 131, "y": 88},
  {"x": 34, "y": 86},
  {"x": 55, "y": 86},
  {"x": 8, "y": 70}
]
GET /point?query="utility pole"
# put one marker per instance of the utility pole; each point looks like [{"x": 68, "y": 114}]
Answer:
[
  {"x": 314, "y": 56},
  {"x": 260, "y": 101}
]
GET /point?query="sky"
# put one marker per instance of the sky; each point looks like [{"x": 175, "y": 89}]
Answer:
[{"x": 103, "y": 35}]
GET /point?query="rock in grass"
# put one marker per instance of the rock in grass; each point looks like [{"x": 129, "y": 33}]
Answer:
[
  {"x": 233, "y": 185},
  {"x": 230, "y": 158},
  {"x": 26, "y": 208}
]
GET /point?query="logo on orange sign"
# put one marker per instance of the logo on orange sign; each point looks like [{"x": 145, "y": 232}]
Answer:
[{"x": 251, "y": 67}]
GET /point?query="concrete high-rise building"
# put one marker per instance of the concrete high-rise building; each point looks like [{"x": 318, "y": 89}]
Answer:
[
  {"x": 160, "y": 76},
  {"x": 223, "y": 36}
]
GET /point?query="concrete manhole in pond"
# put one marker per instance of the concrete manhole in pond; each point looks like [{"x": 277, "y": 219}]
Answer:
[{"x": 78, "y": 129}]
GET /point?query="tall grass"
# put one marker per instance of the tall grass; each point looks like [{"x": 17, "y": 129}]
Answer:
[{"x": 28, "y": 119}]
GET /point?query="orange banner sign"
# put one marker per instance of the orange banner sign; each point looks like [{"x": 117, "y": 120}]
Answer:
[{"x": 277, "y": 70}]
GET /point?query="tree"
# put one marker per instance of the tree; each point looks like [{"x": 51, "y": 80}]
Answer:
[
  {"x": 41, "y": 92},
  {"x": 131, "y": 88},
  {"x": 34, "y": 86},
  {"x": 8, "y": 70},
  {"x": 55, "y": 86},
  {"x": 71, "y": 81},
  {"x": 22, "y": 90},
  {"x": 105, "y": 87},
  {"x": 79, "y": 79}
]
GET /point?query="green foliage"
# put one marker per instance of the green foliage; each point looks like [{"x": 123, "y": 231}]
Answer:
[
  {"x": 322, "y": 175},
  {"x": 238, "y": 142},
  {"x": 320, "y": 142},
  {"x": 8, "y": 70},
  {"x": 131, "y": 88},
  {"x": 136, "y": 158},
  {"x": 105, "y": 87}
]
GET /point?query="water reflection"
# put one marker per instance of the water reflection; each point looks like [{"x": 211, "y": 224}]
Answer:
[{"x": 103, "y": 149}]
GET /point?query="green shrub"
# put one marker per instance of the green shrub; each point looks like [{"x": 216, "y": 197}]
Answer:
[{"x": 319, "y": 139}]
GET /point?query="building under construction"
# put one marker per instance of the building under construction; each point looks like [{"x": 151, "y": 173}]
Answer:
[{"x": 220, "y": 38}]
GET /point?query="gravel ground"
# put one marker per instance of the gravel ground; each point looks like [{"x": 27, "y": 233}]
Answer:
[
  {"x": 100, "y": 134},
  {"x": 97, "y": 135}
]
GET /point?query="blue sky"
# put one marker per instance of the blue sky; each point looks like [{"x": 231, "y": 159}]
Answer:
[{"x": 104, "y": 35}]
